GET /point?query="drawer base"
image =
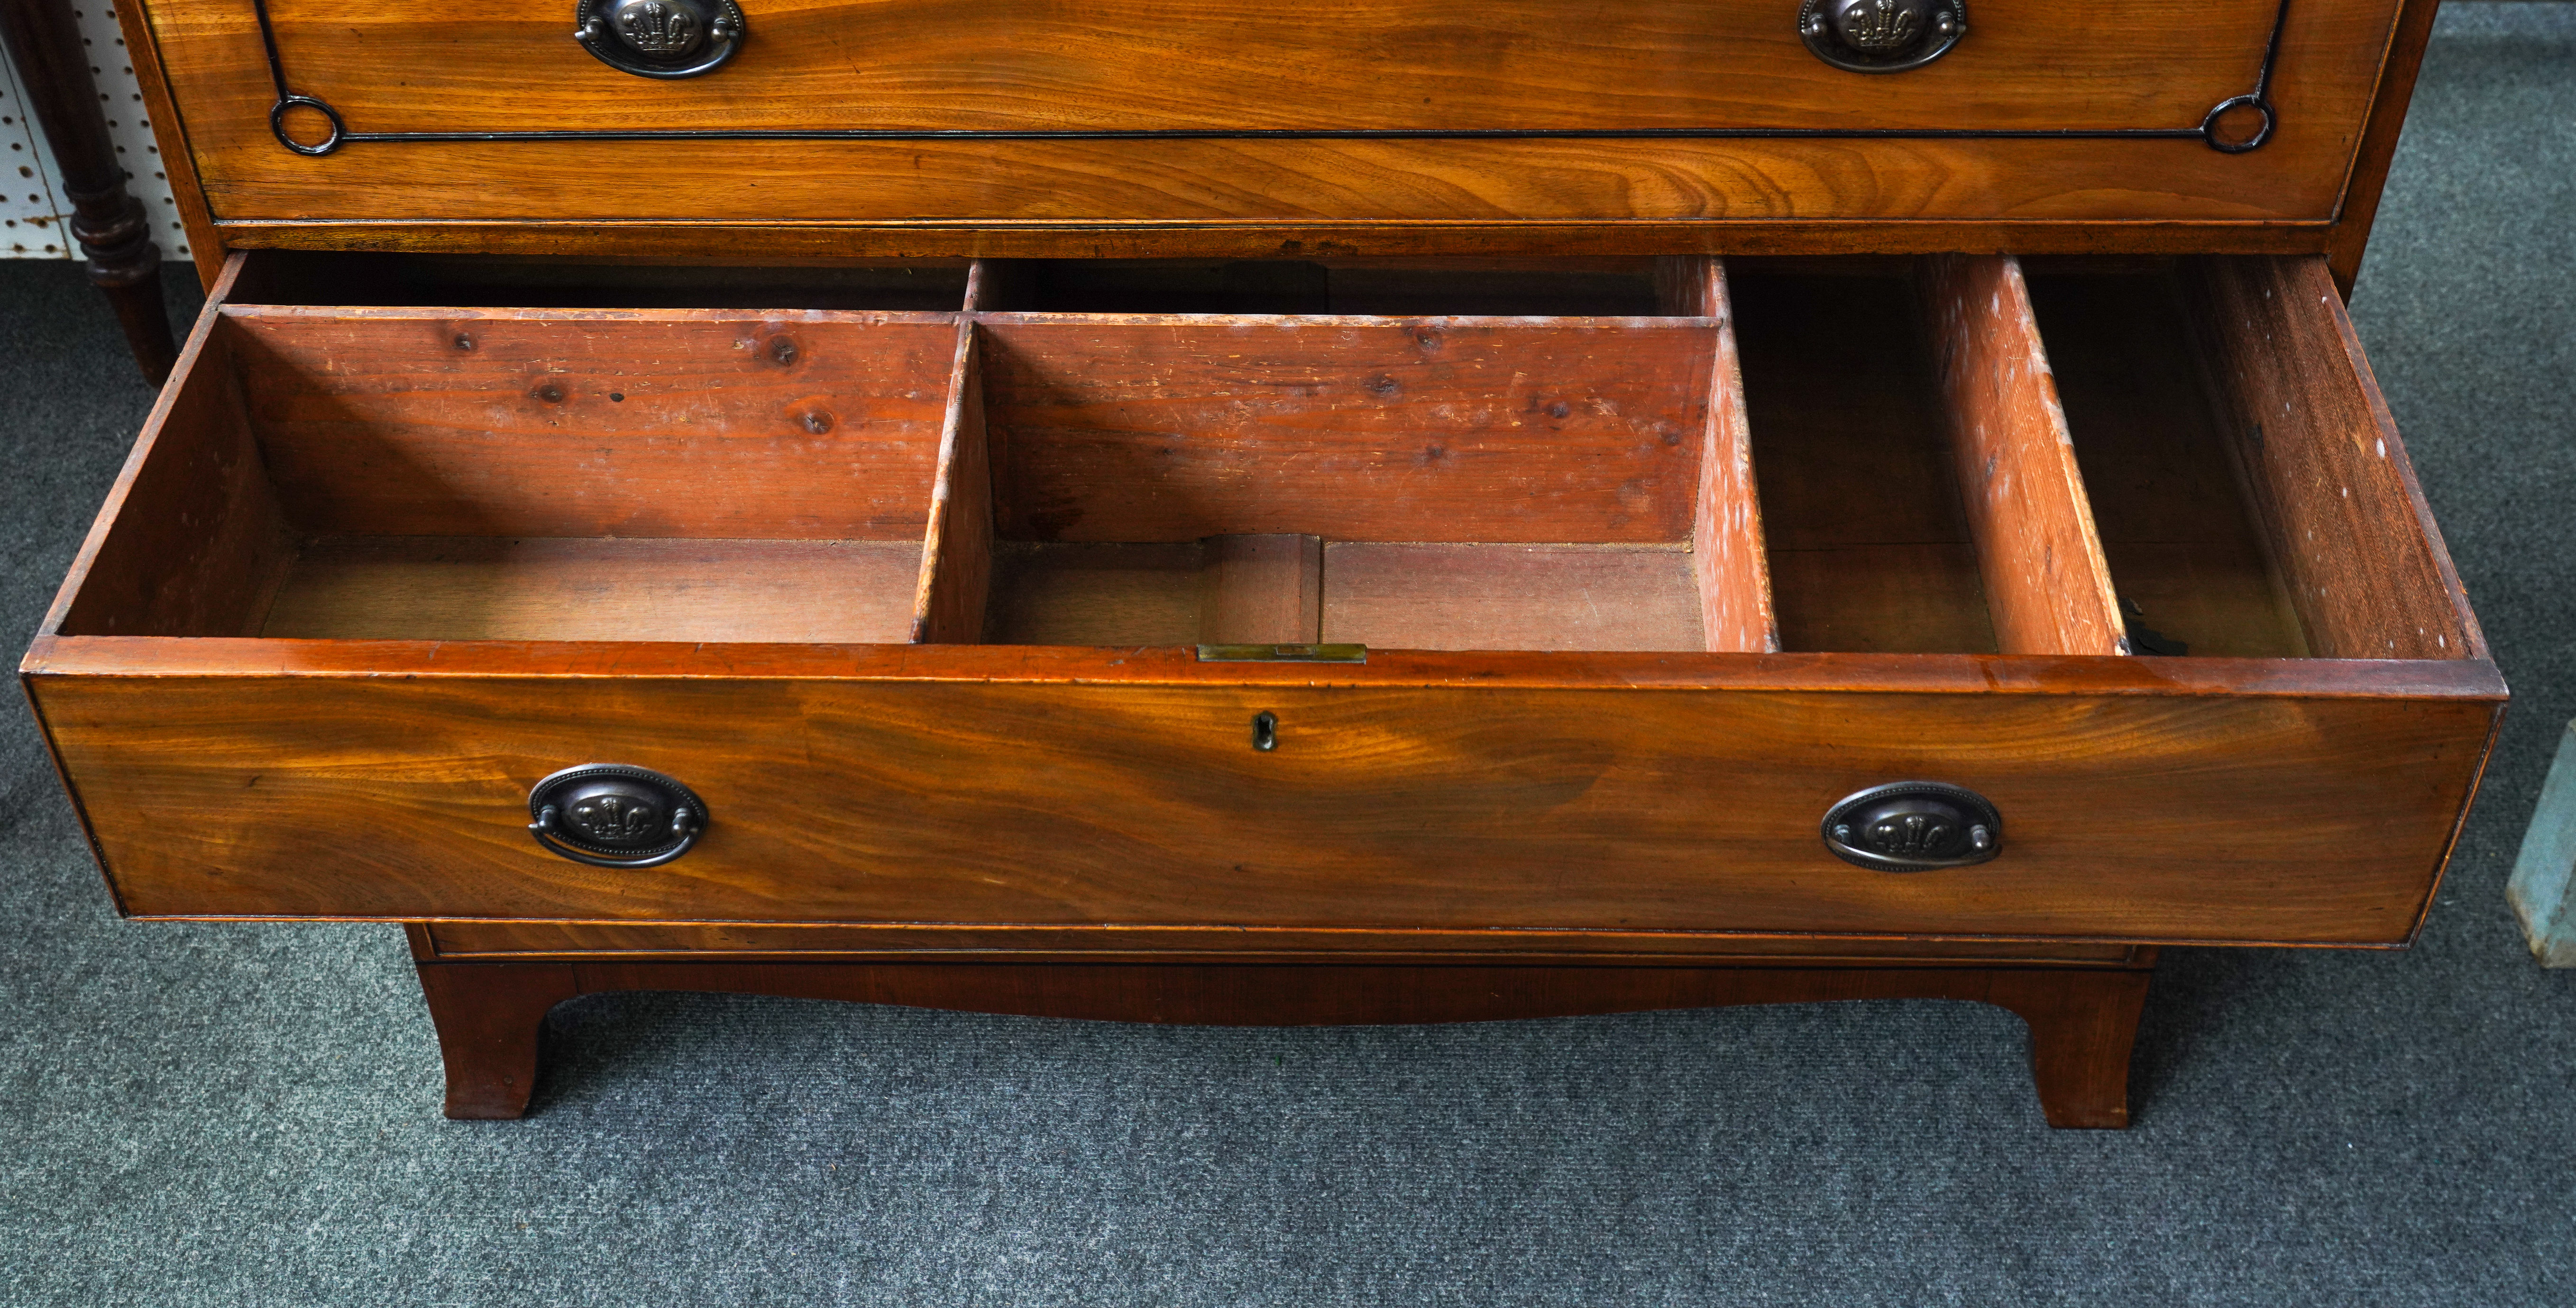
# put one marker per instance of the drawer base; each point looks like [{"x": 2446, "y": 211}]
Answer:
[{"x": 2083, "y": 1019}]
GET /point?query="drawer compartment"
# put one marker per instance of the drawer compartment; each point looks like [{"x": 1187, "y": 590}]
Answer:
[
  {"x": 438, "y": 474},
  {"x": 1435, "y": 483},
  {"x": 1643, "y": 594}
]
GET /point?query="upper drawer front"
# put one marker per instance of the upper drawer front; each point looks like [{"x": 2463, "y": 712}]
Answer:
[{"x": 1348, "y": 109}]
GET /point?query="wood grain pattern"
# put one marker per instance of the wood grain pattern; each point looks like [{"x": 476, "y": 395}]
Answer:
[
  {"x": 1327, "y": 64},
  {"x": 202, "y": 543},
  {"x": 2082, "y": 1021},
  {"x": 501, "y": 588},
  {"x": 956, "y": 581},
  {"x": 1729, "y": 557},
  {"x": 1085, "y": 803},
  {"x": 1356, "y": 63},
  {"x": 802, "y": 426},
  {"x": 1511, "y": 597},
  {"x": 915, "y": 240},
  {"x": 1884, "y": 599},
  {"x": 1295, "y": 185},
  {"x": 52, "y": 655},
  {"x": 2175, "y": 526},
  {"x": 487, "y": 1021},
  {"x": 464, "y": 940},
  {"x": 2083, "y": 1028},
  {"x": 2342, "y": 515},
  {"x": 2048, "y": 588},
  {"x": 1145, "y": 429},
  {"x": 1090, "y": 593},
  {"x": 1262, "y": 590}
]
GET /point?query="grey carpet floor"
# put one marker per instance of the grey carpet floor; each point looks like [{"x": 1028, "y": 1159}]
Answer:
[{"x": 248, "y": 1114}]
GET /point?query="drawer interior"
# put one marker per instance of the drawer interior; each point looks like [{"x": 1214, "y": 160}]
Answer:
[
  {"x": 506, "y": 474},
  {"x": 1868, "y": 537},
  {"x": 1437, "y": 483},
  {"x": 1936, "y": 455},
  {"x": 2178, "y": 529}
]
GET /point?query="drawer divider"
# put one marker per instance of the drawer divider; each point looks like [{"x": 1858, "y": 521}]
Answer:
[
  {"x": 957, "y": 553},
  {"x": 1728, "y": 558},
  {"x": 2048, "y": 584}
]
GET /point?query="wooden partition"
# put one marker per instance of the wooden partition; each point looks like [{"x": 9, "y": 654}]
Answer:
[
  {"x": 957, "y": 555},
  {"x": 1728, "y": 558},
  {"x": 653, "y": 423},
  {"x": 2048, "y": 588}
]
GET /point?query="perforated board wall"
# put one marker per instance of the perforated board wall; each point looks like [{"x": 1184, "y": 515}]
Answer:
[{"x": 33, "y": 214}]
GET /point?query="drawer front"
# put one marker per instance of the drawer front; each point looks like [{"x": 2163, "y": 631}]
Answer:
[
  {"x": 1030, "y": 110},
  {"x": 2254, "y": 818}
]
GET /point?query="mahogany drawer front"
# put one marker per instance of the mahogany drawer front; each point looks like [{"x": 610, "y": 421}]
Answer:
[
  {"x": 1690, "y": 808},
  {"x": 1360, "y": 111},
  {"x": 908, "y": 599}
]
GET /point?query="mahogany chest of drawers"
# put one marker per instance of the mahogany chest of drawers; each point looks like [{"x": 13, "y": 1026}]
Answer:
[{"x": 1260, "y": 514}]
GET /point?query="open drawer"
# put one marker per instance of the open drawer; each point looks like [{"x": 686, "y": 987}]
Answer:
[{"x": 1234, "y": 600}]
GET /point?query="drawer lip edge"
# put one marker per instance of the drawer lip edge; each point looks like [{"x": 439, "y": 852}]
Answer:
[
  {"x": 2474, "y": 679},
  {"x": 947, "y": 238},
  {"x": 2403, "y": 942}
]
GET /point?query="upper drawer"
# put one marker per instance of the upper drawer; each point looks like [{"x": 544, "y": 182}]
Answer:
[{"x": 1361, "y": 110}]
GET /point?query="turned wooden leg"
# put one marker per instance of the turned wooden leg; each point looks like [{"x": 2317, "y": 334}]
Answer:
[
  {"x": 488, "y": 1016},
  {"x": 107, "y": 221},
  {"x": 2082, "y": 1027}
]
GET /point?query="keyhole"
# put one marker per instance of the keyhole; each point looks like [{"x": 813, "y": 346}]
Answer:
[{"x": 1265, "y": 730}]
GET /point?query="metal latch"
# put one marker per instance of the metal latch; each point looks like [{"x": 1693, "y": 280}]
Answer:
[{"x": 1283, "y": 653}]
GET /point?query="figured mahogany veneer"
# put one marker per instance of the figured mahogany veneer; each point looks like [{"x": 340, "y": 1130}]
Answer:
[
  {"x": 1271, "y": 129},
  {"x": 909, "y": 598}
]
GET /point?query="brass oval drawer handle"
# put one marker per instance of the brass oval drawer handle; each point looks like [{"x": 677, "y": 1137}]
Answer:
[
  {"x": 1881, "y": 36},
  {"x": 660, "y": 38},
  {"x": 1914, "y": 826},
  {"x": 612, "y": 815}
]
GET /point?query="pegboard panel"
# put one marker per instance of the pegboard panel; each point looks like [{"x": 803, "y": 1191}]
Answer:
[{"x": 31, "y": 207}]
